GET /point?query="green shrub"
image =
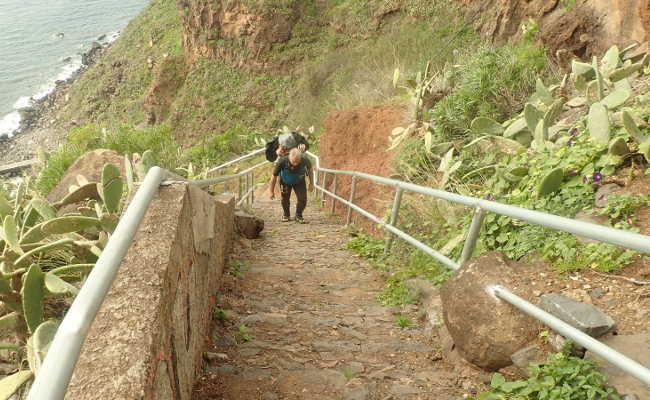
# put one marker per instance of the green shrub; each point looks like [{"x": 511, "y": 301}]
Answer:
[
  {"x": 159, "y": 139},
  {"x": 493, "y": 82},
  {"x": 562, "y": 377}
]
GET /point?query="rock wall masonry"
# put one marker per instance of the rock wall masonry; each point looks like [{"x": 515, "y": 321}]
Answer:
[{"x": 146, "y": 342}]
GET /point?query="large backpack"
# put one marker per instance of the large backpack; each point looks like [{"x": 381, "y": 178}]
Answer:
[
  {"x": 272, "y": 145},
  {"x": 271, "y": 148}
]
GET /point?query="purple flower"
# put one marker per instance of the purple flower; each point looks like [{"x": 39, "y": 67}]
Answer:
[
  {"x": 574, "y": 132},
  {"x": 601, "y": 197},
  {"x": 597, "y": 177},
  {"x": 570, "y": 142},
  {"x": 573, "y": 172}
]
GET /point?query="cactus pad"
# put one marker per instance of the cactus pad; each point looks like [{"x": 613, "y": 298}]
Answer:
[
  {"x": 551, "y": 182},
  {"x": 598, "y": 123},
  {"x": 32, "y": 295}
]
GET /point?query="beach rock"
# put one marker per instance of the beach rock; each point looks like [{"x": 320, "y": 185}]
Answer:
[
  {"x": 486, "y": 330},
  {"x": 101, "y": 37}
]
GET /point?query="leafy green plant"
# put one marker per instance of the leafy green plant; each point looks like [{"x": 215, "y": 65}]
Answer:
[
  {"x": 403, "y": 322},
  {"x": 243, "y": 334},
  {"x": 621, "y": 208},
  {"x": 366, "y": 246},
  {"x": 220, "y": 315},
  {"x": 347, "y": 372},
  {"x": 237, "y": 269},
  {"x": 562, "y": 377}
]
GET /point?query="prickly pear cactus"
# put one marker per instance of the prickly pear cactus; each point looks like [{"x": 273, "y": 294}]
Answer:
[
  {"x": 112, "y": 188},
  {"x": 69, "y": 223},
  {"x": 486, "y": 126},
  {"x": 32, "y": 297},
  {"x": 598, "y": 123},
  {"x": 635, "y": 132},
  {"x": 618, "y": 147},
  {"x": 551, "y": 182},
  {"x": 532, "y": 116}
]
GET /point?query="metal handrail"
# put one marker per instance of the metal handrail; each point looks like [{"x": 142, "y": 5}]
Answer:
[
  {"x": 236, "y": 160},
  {"x": 593, "y": 231}
]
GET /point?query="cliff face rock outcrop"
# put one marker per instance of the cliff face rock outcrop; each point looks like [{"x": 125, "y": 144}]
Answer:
[
  {"x": 234, "y": 32},
  {"x": 584, "y": 29}
]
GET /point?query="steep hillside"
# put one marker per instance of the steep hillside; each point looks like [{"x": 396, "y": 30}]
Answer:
[{"x": 205, "y": 66}]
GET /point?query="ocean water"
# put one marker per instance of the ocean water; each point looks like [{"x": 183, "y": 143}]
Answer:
[{"x": 41, "y": 41}]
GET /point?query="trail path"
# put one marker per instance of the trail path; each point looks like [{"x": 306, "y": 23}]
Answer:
[{"x": 317, "y": 330}]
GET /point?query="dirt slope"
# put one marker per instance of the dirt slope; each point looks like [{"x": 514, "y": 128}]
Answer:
[{"x": 357, "y": 139}]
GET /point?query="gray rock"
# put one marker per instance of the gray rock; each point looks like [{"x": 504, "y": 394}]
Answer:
[
  {"x": 358, "y": 393},
  {"x": 527, "y": 355},
  {"x": 597, "y": 293},
  {"x": 603, "y": 193},
  {"x": 221, "y": 370},
  {"x": 356, "y": 367},
  {"x": 401, "y": 390},
  {"x": 582, "y": 316},
  {"x": 335, "y": 346},
  {"x": 266, "y": 318},
  {"x": 630, "y": 397},
  {"x": 637, "y": 347},
  {"x": 215, "y": 356}
]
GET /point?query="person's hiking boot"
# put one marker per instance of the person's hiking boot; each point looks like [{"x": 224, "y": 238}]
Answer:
[
  {"x": 285, "y": 218},
  {"x": 300, "y": 220}
]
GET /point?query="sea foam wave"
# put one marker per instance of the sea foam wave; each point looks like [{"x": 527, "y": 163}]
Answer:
[{"x": 10, "y": 123}]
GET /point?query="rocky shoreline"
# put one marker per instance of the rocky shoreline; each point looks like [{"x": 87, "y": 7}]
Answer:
[{"x": 39, "y": 125}]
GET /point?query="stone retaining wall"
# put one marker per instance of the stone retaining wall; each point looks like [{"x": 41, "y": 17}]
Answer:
[{"x": 147, "y": 340}]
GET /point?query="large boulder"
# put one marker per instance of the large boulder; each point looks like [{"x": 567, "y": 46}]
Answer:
[
  {"x": 486, "y": 330},
  {"x": 90, "y": 166}
]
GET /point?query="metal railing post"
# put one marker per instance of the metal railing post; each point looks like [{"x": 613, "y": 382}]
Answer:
[
  {"x": 323, "y": 185},
  {"x": 316, "y": 182},
  {"x": 353, "y": 189},
  {"x": 252, "y": 187},
  {"x": 334, "y": 191},
  {"x": 397, "y": 201},
  {"x": 239, "y": 188},
  {"x": 472, "y": 235}
]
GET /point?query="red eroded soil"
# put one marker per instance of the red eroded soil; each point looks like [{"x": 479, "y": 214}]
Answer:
[{"x": 357, "y": 139}]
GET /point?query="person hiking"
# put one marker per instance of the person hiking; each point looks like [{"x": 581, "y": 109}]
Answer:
[{"x": 292, "y": 170}]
